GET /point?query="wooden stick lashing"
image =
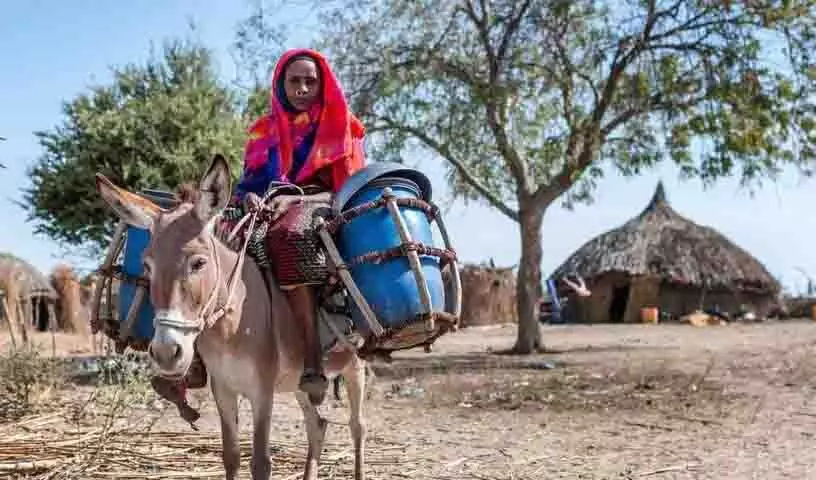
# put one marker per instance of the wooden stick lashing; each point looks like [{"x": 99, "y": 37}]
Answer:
[
  {"x": 133, "y": 311},
  {"x": 413, "y": 257},
  {"x": 368, "y": 315},
  {"x": 454, "y": 266},
  {"x": 109, "y": 259}
]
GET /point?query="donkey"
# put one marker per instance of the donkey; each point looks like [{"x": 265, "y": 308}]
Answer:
[{"x": 206, "y": 296}]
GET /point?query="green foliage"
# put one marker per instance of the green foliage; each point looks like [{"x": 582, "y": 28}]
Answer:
[{"x": 155, "y": 125}]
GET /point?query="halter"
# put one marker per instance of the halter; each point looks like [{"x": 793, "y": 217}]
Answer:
[{"x": 206, "y": 320}]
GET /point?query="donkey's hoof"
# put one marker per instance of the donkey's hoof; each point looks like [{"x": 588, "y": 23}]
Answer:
[
  {"x": 314, "y": 384},
  {"x": 317, "y": 399}
]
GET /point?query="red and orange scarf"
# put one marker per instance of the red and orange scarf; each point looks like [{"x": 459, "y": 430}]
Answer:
[{"x": 277, "y": 138}]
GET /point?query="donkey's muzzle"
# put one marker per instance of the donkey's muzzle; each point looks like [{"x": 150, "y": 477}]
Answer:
[{"x": 165, "y": 354}]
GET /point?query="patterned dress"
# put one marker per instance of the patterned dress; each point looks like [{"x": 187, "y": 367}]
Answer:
[{"x": 289, "y": 246}]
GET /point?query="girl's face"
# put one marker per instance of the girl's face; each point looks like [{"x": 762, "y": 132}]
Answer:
[{"x": 301, "y": 82}]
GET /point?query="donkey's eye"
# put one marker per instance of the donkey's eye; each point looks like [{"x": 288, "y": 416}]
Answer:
[{"x": 197, "y": 264}]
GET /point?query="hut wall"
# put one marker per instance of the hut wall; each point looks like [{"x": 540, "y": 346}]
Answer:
[
  {"x": 606, "y": 290},
  {"x": 643, "y": 292},
  {"x": 679, "y": 300},
  {"x": 488, "y": 295},
  {"x": 617, "y": 298},
  {"x": 577, "y": 309}
]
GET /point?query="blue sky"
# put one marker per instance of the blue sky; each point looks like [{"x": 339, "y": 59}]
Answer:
[{"x": 51, "y": 50}]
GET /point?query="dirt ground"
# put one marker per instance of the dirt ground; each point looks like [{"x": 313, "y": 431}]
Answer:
[{"x": 608, "y": 402}]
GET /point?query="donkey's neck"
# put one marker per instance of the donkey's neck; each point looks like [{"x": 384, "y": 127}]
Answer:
[
  {"x": 260, "y": 324},
  {"x": 249, "y": 306}
]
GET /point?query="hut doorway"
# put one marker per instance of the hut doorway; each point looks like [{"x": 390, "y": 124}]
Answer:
[
  {"x": 41, "y": 316},
  {"x": 617, "y": 307}
]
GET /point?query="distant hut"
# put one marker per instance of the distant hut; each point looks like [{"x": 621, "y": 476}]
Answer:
[
  {"x": 661, "y": 259},
  {"x": 72, "y": 316},
  {"x": 27, "y": 294},
  {"x": 488, "y": 295}
]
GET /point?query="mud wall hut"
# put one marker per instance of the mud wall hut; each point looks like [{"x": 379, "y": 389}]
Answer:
[
  {"x": 662, "y": 259},
  {"x": 488, "y": 294},
  {"x": 27, "y": 296},
  {"x": 71, "y": 311}
]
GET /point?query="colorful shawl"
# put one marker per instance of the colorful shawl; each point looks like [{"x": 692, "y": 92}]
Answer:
[{"x": 290, "y": 146}]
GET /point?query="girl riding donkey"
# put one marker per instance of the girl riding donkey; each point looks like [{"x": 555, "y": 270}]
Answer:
[{"x": 308, "y": 144}]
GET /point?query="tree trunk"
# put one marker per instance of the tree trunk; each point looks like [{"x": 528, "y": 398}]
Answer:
[{"x": 528, "y": 283}]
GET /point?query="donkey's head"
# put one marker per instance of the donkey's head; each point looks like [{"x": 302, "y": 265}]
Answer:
[{"x": 180, "y": 262}]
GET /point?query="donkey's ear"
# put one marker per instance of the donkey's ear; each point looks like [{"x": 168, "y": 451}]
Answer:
[
  {"x": 133, "y": 209},
  {"x": 215, "y": 189}
]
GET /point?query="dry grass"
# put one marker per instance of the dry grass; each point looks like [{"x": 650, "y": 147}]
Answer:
[
  {"x": 134, "y": 452},
  {"x": 28, "y": 383}
]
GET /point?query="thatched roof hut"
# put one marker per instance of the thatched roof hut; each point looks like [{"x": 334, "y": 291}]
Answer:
[
  {"x": 26, "y": 291},
  {"x": 34, "y": 283},
  {"x": 661, "y": 259}
]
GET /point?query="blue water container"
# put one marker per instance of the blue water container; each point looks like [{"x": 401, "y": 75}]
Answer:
[
  {"x": 136, "y": 240},
  {"x": 389, "y": 287}
]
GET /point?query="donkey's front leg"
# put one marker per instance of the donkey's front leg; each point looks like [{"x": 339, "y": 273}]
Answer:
[
  {"x": 226, "y": 402},
  {"x": 355, "y": 375},
  {"x": 315, "y": 434},
  {"x": 261, "y": 419}
]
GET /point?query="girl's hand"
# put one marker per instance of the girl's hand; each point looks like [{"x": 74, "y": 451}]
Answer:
[
  {"x": 280, "y": 204},
  {"x": 252, "y": 202}
]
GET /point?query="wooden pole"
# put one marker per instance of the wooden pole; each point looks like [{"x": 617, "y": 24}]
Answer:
[{"x": 10, "y": 318}]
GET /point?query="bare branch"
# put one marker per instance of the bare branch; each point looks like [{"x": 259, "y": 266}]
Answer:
[
  {"x": 518, "y": 168},
  {"x": 510, "y": 31},
  {"x": 445, "y": 153},
  {"x": 483, "y": 28},
  {"x": 488, "y": 90},
  {"x": 583, "y": 142}
]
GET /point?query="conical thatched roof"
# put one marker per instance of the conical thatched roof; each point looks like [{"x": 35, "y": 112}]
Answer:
[
  {"x": 31, "y": 283},
  {"x": 660, "y": 242}
]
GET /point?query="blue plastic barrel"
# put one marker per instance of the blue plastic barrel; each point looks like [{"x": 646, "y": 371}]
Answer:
[
  {"x": 389, "y": 287},
  {"x": 135, "y": 243},
  {"x": 136, "y": 240}
]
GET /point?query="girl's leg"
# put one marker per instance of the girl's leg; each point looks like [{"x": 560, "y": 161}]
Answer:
[{"x": 303, "y": 302}]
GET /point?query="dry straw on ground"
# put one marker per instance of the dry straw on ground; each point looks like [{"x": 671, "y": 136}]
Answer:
[
  {"x": 111, "y": 432},
  {"x": 132, "y": 453}
]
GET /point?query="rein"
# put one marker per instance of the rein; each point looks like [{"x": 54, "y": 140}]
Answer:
[{"x": 206, "y": 320}]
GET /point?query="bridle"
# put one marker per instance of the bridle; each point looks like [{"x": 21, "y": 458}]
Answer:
[{"x": 206, "y": 318}]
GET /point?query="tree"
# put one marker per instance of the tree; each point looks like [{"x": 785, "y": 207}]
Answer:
[
  {"x": 527, "y": 100},
  {"x": 151, "y": 127}
]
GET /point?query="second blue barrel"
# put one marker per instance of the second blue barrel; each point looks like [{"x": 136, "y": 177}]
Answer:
[{"x": 136, "y": 240}]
